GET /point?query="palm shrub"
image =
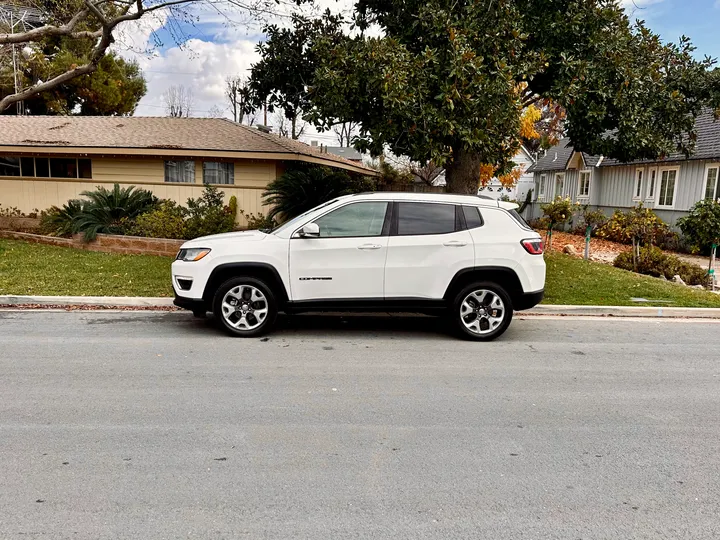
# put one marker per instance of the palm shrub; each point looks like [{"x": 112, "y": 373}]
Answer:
[
  {"x": 112, "y": 211},
  {"x": 303, "y": 188},
  {"x": 60, "y": 221}
]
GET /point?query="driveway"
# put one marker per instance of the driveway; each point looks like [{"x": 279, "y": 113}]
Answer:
[{"x": 155, "y": 426}]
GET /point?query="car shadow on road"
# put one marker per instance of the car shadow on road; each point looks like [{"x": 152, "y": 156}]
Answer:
[{"x": 353, "y": 325}]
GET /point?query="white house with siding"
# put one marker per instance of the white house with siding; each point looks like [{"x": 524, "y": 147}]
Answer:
[
  {"x": 670, "y": 186},
  {"x": 523, "y": 160}
]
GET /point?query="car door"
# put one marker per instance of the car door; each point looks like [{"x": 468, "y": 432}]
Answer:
[
  {"x": 347, "y": 259},
  {"x": 428, "y": 245}
]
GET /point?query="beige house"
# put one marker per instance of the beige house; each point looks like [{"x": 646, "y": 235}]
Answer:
[{"x": 48, "y": 160}]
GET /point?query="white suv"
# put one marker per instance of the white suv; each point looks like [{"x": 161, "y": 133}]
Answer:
[{"x": 472, "y": 259}]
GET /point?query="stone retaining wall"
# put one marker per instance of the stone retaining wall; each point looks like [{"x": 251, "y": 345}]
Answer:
[{"x": 106, "y": 243}]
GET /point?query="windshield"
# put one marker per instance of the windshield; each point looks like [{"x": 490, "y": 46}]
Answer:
[{"x": 294, "y": 221}]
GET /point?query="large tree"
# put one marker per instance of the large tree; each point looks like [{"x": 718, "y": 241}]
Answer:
[
  {"x": 287, "y": 65},
  {"x": 95, "y": 24},
  {"x": 450, "y": 81}
]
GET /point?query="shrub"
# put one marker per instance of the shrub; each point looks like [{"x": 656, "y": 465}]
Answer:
[
  {"x": 165, "y": 221},
  {"x": 652, "y": 261},
  {"x": 305, "y": 187},
  {"x": 594, "y": 219},
  {"x": 11, "y": 211},
  {"x": 559, "y": 211},
  {"x": 639, "y": 226},
  {"x": 539, "y": 224},
  {"x": 259, "y": 222},
  {"x": 60, "y": 221},
  {"x": 701, "y": 227},
  {"x": 112, "y": 211},
  {"x": 208, "y": 215}
]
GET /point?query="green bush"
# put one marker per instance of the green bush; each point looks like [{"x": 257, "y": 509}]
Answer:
[
  {"x": 594, "y": 219},
  {"x": 112, "y": 211},
  {"x": 261, "y": 222},
  {"x": 60, "y": 221},
  {"x": 653, "y": 262},
  {"x": 208, "y": 214},
  {"x": 701, "y": 227},
  {"x": 640, "y": 224},
  {"x": 165, "y": 221},
  {"x": 559, "y": 211},
  {"x": 305, "y": 187}
]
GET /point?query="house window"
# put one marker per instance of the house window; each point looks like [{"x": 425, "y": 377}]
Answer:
[
  {"x": 668, "y": 186},
  {"x": 652, "y": 182},
  {"x": 584, "y": 185},
  {"x": 9, "y": 166},
  {"x": 63, "y": 168},
  {"x": 180, "y": 172},
  {"x": 559, "y": 185},
  {"x": 84, "y": 168},
  {"x": 711, "y": 183},
  {"x": 27, "y": 166},
  {"x": 637, "y": 190},
  {"x": 218, "y": 173},
  {"x": 541, "y": 186},
  {"x": 42, "y": 167}
]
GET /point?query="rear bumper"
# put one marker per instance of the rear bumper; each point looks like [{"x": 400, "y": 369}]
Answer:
[
  {"x": 528, "y": 300},
  {"x": 190, "y": 304}
]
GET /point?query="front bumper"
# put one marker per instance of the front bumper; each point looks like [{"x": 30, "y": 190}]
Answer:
[
  {"x": 190, "y": 304},
  {"x": 528, "y": 300}
]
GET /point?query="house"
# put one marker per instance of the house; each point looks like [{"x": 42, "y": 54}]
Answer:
[
  {"x": 47, "y": 160},
  {"x": 670, "y": 186},
  {"x": 524, "y": 160},
  {"x": 346, "y": 152}
]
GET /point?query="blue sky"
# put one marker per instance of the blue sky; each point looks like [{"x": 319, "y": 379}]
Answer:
[{"x": 697, "y": 19}]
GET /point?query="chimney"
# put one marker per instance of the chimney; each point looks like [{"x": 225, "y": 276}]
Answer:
[
  {"x": 313, "y": 143},
  {"x": 264, "y": 129}
]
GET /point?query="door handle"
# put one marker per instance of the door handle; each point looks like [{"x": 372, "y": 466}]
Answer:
[
  {"x": 369, "y": 246},
  {"x": 455, "y": 243}
]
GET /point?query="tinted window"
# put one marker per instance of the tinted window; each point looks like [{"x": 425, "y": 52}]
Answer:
[
  {"x": 425, "y": 218},
  {"x": 27, "y": 166},
  {"x": 9, "y": 166},
  {"x": 180, "y": 171},
  {"x": 473, "y": 220},
  {"x": 357, "y": 219},
  {"x": 42, "y": 169},
  {"x": 520, "y": 220},
  {"x": 63, "y": 168},
  {"x": 85, "y": 168}
]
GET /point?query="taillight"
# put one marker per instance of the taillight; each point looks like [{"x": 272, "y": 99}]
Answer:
[{"x": 533, "y": 246}]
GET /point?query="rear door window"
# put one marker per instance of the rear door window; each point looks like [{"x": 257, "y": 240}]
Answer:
[{"x": 416, "y": 219}]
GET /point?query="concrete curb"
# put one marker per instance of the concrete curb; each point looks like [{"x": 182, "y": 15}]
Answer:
[
  {"x": 625, "y": 311},
  {"x": 120, "y": 301},
  {"x": 563, "y": 311}
]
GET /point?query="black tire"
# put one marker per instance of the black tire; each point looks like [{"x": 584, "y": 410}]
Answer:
[
  {"x": 506, "y": 313},
  {"x": 264, "y": 326}
]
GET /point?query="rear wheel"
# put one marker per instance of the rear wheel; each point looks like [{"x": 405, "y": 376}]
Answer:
[
  {"x": 245, "y": 307},
  {"x": 482, "y": 311}
]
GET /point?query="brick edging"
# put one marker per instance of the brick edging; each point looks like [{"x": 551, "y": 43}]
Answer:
[{"x": 106, "y": 243}]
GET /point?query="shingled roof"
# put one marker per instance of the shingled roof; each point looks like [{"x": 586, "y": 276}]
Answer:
[
  {"x": 707, "y": 146},
  {"x": 189, "y": 135}
]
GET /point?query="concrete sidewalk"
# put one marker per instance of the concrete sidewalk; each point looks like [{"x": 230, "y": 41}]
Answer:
[{"x": 555, "y": 310}]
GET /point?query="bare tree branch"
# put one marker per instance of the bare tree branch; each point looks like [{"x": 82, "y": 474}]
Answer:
[{"x": 179, "y": 101}]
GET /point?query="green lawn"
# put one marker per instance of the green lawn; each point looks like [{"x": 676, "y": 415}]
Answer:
[
  {"x": 47, "y": 270},
  {"x": 576, "y": 282},
  {"x": 34, "y": 269}
]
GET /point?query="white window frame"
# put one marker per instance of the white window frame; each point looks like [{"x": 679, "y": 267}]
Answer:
[
  {"x": 661, "y": 170},
  {"x": 580, "y": 196},
  {"x": 650, "y": 196},
  {"x": 555, "y": 181},
  {"x": 708, "y": 167},
  {"x": 542, "y": 187},
  {"x": 638, "y": 184}
]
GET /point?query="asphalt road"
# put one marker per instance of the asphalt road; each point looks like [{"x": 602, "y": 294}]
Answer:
[{"x": 155, "y": 426}]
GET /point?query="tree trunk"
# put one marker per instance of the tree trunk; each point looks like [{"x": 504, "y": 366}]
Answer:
[{"x": 462, "y": 174}]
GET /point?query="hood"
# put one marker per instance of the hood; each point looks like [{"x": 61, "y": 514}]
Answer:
[{"x": 239, "y": 236}]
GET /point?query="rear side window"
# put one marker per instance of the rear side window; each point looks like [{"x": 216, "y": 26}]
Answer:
[
  {"x": 473, "y": 219},
  {"x": 521, "y": 221},
  {"x": 425, "y": 218}
]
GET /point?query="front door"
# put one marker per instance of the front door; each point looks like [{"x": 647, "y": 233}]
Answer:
[{"x": 347, "y": 260}]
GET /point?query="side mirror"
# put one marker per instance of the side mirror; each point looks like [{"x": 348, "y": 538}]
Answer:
[{"x": 310, "y": 230}]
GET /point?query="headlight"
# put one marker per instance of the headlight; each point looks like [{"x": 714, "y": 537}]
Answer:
[{"x": 192, "y": 254}]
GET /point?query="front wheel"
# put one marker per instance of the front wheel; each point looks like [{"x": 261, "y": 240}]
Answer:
[
  {"x": 482, "y": 311},
  {"x": 245, "y": 307}
]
